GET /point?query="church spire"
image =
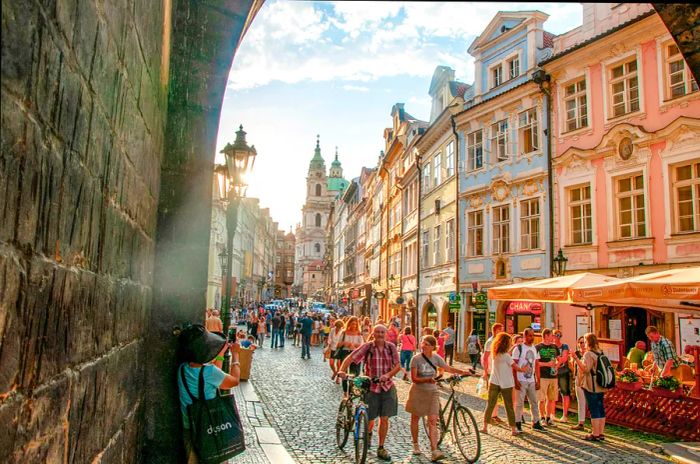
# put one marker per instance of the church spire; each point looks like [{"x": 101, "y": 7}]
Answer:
[{"x": 317, "y": 161}]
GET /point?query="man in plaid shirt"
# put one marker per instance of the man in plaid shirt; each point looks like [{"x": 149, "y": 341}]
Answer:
[
  {"x": 381, "y": 360},
  {"x": 664, "y": 354}
]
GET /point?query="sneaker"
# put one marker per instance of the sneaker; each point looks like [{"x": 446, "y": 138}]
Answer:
[
  {"x": 383, "y": 454},
  {"x": 416, "y": 449},
  {"x": 519, "y": 426},
  {"x": 436, "y": 456},
  {"x": 578, "y": 426},
  {"x": 516, "y": 432},
  {"x": 538, "y": 426},
  {"x": 549, "y": 421}
]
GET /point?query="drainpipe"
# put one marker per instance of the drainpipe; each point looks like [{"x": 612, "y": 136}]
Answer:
[
  {"x": 540, "y": 77},
  {"x": 418, "y": 245},
  {"x": 386, "y": 199},
  {"x": 461, "y": 314}
]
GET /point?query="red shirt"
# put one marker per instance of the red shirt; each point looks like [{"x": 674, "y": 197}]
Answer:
[{"x": 377, "y": 362}]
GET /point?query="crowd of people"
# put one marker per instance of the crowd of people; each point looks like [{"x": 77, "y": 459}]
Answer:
[{"x": 513, "y": 368}]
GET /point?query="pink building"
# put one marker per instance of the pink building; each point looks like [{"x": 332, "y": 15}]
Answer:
[{"x": 626, "y": 155}]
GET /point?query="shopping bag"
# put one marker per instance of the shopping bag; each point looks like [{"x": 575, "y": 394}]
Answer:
[{"x": 481, "y": 389}]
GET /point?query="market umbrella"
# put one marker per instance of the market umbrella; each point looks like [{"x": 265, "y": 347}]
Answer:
[
  {"x": 674, "y": 290},
  {"x": 553, "y": 290}
]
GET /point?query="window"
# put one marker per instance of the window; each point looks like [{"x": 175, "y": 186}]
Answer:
[
  {"x": 450, "y": 159},
  {"x": 499, "y": 140},
  {"x": 528, "y": 131},
  {"x": 475, "y": 151},
  {"x": 436, "y": 246},
  {"x": 514, "y": 68},
  {"x": 318, "y": 219},
  {"x": 318, "y": 190},
  {"x": 496, "y": 76},
  {"x": 679, "y": 80},
  {"x": 317, "y": 247},
  {"x": 426, "y": 176},
  {"x": 450, "y": 240},
  {"x": 631, "y": 220},
  {"x": 501, "y": 229},
  {"x": 624, "y": 88},
  {"x": 530, "y": 224},
  {"x": 426, "y": 248},
  {"x": 437, "y": 169},
  {"x": 581, "y": 224},
  {"x": 475, "y": 222},
  {"x": 576, "y": 105},
  {"x": 687, "y": 190},
  {"x": 409, "y": 261}
]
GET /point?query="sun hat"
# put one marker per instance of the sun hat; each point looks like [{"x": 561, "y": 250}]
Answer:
[{"x": 198, "y": 345}]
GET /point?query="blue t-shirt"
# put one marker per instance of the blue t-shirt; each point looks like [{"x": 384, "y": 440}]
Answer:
[
  {"x": 306, "y": 325},
  {"x": 213, "y": 376},
  {"x": 246, "y": 343}
]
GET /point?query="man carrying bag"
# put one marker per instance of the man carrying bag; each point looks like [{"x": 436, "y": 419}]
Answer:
[{"x": 212, "y": 426}]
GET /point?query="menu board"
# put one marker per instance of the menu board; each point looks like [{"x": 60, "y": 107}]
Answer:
[
  {"x": 615, "y": 326},
  {"x": 690, "y": 331},
  {"x": 611, "y": 350},
  {"x": 583, "y": 326}
]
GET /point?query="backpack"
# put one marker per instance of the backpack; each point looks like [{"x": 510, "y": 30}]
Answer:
[{"x": 604, "y": 372}]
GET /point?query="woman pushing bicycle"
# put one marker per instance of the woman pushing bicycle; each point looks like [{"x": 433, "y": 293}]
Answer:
[{"x": 424, "y": 397}]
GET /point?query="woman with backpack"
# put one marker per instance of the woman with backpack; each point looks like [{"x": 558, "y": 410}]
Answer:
[{"x": 587, "y": 378}]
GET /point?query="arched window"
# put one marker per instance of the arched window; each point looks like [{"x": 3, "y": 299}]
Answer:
[
  {"x": 317, "y": 247},
  {"x": 318, "y": 190},
  {"x": 318, "y": 219}
]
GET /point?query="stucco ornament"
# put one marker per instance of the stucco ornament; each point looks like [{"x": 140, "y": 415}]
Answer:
[
  {"x": 530, "y": 188},
  {"x": 499, "y": 190},
  {"x": 476, "y": 201},
  {"x": 625, "y": 148}
]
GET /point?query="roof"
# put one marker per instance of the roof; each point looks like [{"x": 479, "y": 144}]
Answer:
[
  {"x": 458, "y": 88},
  {"x": 337, "y": 184},
  {"x": 317, "y": 161},
  {"x": 314, "y": 265},
  {"x": 598, "y": 37},
  {"x": 548, "y": 39}
]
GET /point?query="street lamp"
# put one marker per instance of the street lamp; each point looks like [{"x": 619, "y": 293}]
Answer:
[
  {"x": 232, "y": 187},
  {"x": 223, "y": 258},
  {"x": 559, "y": 264}
]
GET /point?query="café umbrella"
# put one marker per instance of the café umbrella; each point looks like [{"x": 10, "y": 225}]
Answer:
[
  {"x": 674, "y": 290},
  {"x": 553, "y": 290}
]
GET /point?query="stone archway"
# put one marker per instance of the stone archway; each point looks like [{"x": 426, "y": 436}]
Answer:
[{"x": 429, "y": 315}]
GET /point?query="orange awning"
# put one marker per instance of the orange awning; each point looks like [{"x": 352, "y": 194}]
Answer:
[
  {"x": 670, "y": 290},
  {"x": 553, "y": 290}
]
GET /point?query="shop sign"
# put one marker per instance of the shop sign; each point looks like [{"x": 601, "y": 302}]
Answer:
[
  {"x": 355, "y": 293},
  {"x": 524, "y": 307},
  {"x": 453, "y": 297},
  {"x": 480, "y": 301},
  {"x": 379, "y": 295},
  {"x": 455, "y": 307},
  {"x": 399, "y": 300}
]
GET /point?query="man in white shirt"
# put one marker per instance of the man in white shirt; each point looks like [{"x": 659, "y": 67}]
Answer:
[{"x": 527, "y": 383}]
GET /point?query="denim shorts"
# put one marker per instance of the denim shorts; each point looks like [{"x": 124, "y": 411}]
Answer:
[{"x": 595, "y": 404}]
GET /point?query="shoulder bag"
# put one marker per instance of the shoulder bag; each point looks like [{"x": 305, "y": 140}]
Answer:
[
  {"x": 341, "y": 353},
  {"x": 215, "y": 426}
]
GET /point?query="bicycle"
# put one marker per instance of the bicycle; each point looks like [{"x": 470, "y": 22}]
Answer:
[
  {"x": 462, "y": 421},
  {"x": 353, "y": 415}
]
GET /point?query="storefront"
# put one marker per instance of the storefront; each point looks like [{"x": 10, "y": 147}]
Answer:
[
  {"x": 519, "y": 315},
  {"x": 430, "y": 316}
]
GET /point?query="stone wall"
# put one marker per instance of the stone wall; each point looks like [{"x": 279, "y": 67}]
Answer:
[{"x": 83, "y": 123}]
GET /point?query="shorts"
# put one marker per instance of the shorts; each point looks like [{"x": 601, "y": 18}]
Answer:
[
  {"x": 595, "y": 404},
  {"x": 564, "y": 381},
  {"x": 382, "y": 404},
  {"x": 548, "y": 390}
]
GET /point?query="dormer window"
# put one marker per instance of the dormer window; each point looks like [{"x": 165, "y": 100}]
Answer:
[
  {"x": 496, "y": 76},
  {"x": 513, "y": 67}
]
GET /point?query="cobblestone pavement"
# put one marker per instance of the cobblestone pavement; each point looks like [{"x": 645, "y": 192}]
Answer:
[{"x": 302, "y": 401}]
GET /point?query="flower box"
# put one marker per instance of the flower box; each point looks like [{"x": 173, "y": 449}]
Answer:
[
  {"x": 630, "y": 386},
  {"x": 666, "y": 393}
]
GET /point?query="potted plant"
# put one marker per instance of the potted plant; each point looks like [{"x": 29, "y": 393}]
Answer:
[
  {"x": 668, "y": 387},
  {"x": 629, "y": 380}
]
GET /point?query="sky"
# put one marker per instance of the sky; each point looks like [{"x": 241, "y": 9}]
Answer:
[{"x": 336, "y": 69}]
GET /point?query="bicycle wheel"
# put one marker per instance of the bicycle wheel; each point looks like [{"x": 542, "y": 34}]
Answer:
[
  {"x": 465, "y": 434},
  {"x": 361, "y": 437},
  {"x": 343, "y": 423}
]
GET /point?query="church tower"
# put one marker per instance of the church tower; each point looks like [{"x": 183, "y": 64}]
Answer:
[{"x": 311, "y": 238}]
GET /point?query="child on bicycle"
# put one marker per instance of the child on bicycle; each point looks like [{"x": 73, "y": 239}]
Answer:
[{"x": 424, "y": 397}]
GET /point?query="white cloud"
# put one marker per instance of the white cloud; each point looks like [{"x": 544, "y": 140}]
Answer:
[
  {"x": 355, "y": 88},
  {"x": 363, "y": 41}
]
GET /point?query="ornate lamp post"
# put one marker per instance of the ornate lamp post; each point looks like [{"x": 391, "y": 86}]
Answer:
[
  {"x": 223, "y": 259},
  {"x": 559, "y": 264},
  {"x": 232, "y": 187}
]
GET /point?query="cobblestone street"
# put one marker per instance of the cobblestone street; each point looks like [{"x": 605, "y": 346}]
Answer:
[{"x": 301, "y": 401}]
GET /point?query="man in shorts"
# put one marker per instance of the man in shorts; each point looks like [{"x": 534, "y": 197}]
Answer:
[
  {"x": 381, "y": 360},
  {"x": 548, "y": 390}
]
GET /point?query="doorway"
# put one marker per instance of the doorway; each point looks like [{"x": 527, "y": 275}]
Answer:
[
  {"x": 636, "y": 321},
  {"x": 430, "y": 316},
  {"x": 479, "y": 324}
]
